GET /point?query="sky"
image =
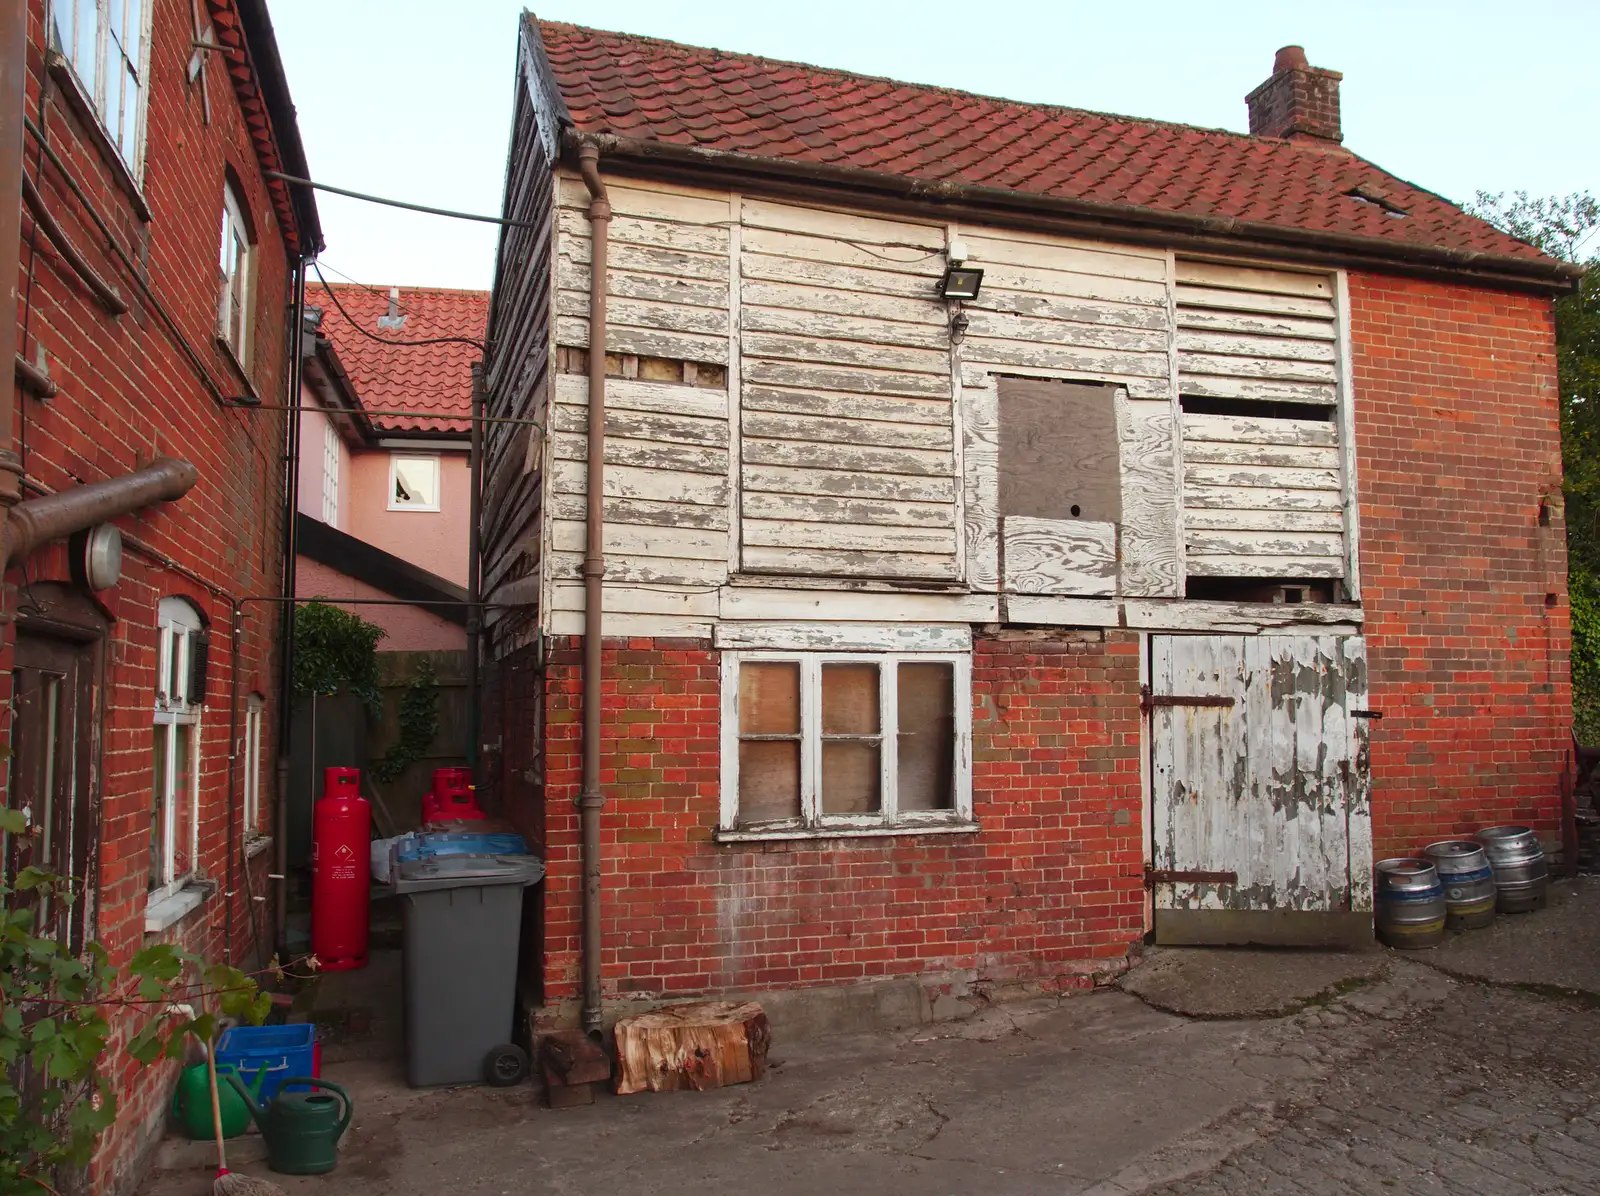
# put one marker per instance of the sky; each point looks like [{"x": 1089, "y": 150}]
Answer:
[{"x": 411, "y": 99}]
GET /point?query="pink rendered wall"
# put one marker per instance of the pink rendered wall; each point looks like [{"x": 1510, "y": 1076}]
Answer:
[
  {"x": 313, "y": 424},
  {"x": 433, "y": 540},
  {"x": 410, "y": 628}
]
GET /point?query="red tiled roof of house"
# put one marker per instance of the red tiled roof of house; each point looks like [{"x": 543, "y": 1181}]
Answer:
[
  {"x": 648, "y": 89},
  {"x": 391, "y": 377}
]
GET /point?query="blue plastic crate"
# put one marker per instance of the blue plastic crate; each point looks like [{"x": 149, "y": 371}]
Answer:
[{"x": 277, "y": 1051}]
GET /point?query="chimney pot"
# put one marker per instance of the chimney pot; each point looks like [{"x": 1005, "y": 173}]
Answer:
[
  {"x": 1300, "y": 102},
  {"x": 1289, "y": 58}
]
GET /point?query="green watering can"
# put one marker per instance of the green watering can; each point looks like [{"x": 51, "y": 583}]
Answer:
[
  {"x": 302, "y": 1129},
  {"x": 191, "y": 1102}
]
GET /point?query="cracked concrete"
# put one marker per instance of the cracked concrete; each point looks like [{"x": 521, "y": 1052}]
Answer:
[{"x": 1413, "y": 1079}]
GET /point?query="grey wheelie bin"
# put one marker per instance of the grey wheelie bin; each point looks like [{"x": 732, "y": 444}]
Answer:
[{"x": 463, "y": 919}]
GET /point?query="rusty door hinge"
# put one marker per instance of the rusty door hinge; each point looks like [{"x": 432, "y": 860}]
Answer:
[
  {"x": 1149, "y": 701},
  {"x": 1172, "y": 876}
]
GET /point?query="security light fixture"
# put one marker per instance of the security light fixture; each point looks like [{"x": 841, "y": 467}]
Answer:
[{"x": 961, "y": 282}]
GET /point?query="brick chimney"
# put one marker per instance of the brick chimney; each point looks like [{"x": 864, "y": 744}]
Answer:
[{"x": 1300, "y": 102}]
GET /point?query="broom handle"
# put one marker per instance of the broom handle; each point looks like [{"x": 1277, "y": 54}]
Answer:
[{"x": 216, "y": 1108}]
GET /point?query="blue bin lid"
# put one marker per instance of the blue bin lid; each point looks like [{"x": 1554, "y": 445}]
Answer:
[{"x": 445, "y": 843}]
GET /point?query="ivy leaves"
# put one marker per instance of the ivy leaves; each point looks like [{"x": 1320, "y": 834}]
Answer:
[{"x": 419, "y": 723}]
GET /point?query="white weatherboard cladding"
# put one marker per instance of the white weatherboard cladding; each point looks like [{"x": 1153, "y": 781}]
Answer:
[
  {"x": 667, "y": 492},
  {"x": 856, "y": 447},
  {"x": 846, "y": 431},
  {"x": 1262, "y": 496},
  {"x": 1274, "y": 787}
]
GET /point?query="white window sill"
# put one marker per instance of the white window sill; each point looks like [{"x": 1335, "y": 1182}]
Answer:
[
  {"x": 254, "y": 845},
  {"x": 82, "y": 105},
  {"x": 847, "y": 832},
  {"x": 171, "y": 908}
]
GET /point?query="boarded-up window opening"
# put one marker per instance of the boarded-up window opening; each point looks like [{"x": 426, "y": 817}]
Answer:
[
  {"x": 1059, "y": 457},
  {"x": 1060, "y": 491},
  {"x": 769, "y": 740},
  {"x": 850, "y": 740}
]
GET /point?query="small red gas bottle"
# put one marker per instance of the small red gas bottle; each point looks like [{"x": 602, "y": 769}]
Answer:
[
  {"x": 453, "y": 797},
  {"x": 341, "y": 871}
]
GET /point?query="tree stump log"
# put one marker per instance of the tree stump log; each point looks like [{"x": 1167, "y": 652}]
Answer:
[{"x": 708, "y": 1044}]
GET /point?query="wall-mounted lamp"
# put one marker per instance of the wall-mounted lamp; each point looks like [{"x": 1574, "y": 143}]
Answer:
[{"x": 961, "y": 282}]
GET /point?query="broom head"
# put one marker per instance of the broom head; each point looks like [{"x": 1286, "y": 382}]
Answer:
[{"x": 228, "y": 1183}]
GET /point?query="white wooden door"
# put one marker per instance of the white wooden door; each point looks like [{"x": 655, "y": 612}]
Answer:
[{"x": 1262, "y": 824}]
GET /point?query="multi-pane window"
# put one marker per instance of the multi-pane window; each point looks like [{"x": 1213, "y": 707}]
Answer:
[
  {"x": 251, "y": 760},
  {"x": 330, "y": 474},
  {"x": 233, "y": 283},
  {"x": 413, "y": 483},
  {"x": 175, "y": 763},
  {"x": 816, "y": 741},
  {"x": 105, "y": 41}
]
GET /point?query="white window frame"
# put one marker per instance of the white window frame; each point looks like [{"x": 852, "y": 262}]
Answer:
[
  {"x": 889, "y": 819},
  {"x": 233, "y": 328},
  {"x": 73, "y": 40},
  {"x": 254, "y": 709},
  {"x": 438, "y": 481},
  {"x": 179, "y": 625},
  {"x": 330, "y": 474}
]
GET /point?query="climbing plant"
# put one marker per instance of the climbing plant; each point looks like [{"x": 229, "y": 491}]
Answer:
[
  {"x": 419, "y": 723},
  {"x": 56, "y": 1010}
]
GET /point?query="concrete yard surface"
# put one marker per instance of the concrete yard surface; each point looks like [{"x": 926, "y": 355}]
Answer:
[{"x": 1399, "y": 1077}]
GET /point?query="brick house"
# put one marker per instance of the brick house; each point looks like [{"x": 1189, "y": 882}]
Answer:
[
  {"x": 155, "y": 288},
  {"x": 384, "y": 499},
  {"x": 1014, "y": 523}
]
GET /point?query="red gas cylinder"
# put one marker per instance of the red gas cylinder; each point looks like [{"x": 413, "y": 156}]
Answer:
[
  {"x": 453, "y": 797},
  {"x": 341, "y": 871}
]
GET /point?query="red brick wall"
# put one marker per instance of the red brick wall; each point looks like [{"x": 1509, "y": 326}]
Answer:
[
  {"x": 1457, "y": 444},
  {"x": 128, "y": 394},
  {"x": 1049, "y": 891}
]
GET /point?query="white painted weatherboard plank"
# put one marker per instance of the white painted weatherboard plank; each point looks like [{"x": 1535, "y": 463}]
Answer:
[
  {"x": 843, "y": 637},
  {"x": 1059, "y": 556}
]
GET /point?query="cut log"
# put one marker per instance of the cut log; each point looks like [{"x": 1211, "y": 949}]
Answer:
[{"x": 707, "y": 1044}]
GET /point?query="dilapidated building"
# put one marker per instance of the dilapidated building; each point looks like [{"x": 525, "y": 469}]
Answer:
[{"x": 1015, "y": 522}]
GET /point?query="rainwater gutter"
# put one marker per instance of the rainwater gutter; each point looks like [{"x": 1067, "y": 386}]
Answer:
[{"x": 591, "y": 799}]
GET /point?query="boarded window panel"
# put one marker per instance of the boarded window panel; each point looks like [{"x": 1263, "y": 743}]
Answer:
[
  {"x": 769, "y": 698},
  {"x": 769, "y": 779},
  {"x": 851, "y": 777},
  {"x": 927, "y": 736},
  {"x": 1059, "y": 455},
  {"x": 849, "y": 699}
]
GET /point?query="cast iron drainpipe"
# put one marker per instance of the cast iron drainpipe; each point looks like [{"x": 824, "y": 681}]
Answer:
[{"x": 592, "y": 799}]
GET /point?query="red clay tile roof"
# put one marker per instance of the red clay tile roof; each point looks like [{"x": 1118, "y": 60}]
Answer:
[
  {"x": 648, "y": 89},
  {"x": 407, "y": 377}
]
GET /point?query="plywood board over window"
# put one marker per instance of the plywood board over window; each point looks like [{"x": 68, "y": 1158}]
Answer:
[{"x": 1060, "y": 486}]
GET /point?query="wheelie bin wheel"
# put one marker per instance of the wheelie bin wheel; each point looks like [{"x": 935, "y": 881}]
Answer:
[{"x": 506, "y": 1065}]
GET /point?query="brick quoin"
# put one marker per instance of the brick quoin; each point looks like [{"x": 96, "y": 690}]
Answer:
[
  {"x": 1467, "y": 622},
  {"x": 128, "y": 395},
  {"x": 1049, "y": 893}
]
